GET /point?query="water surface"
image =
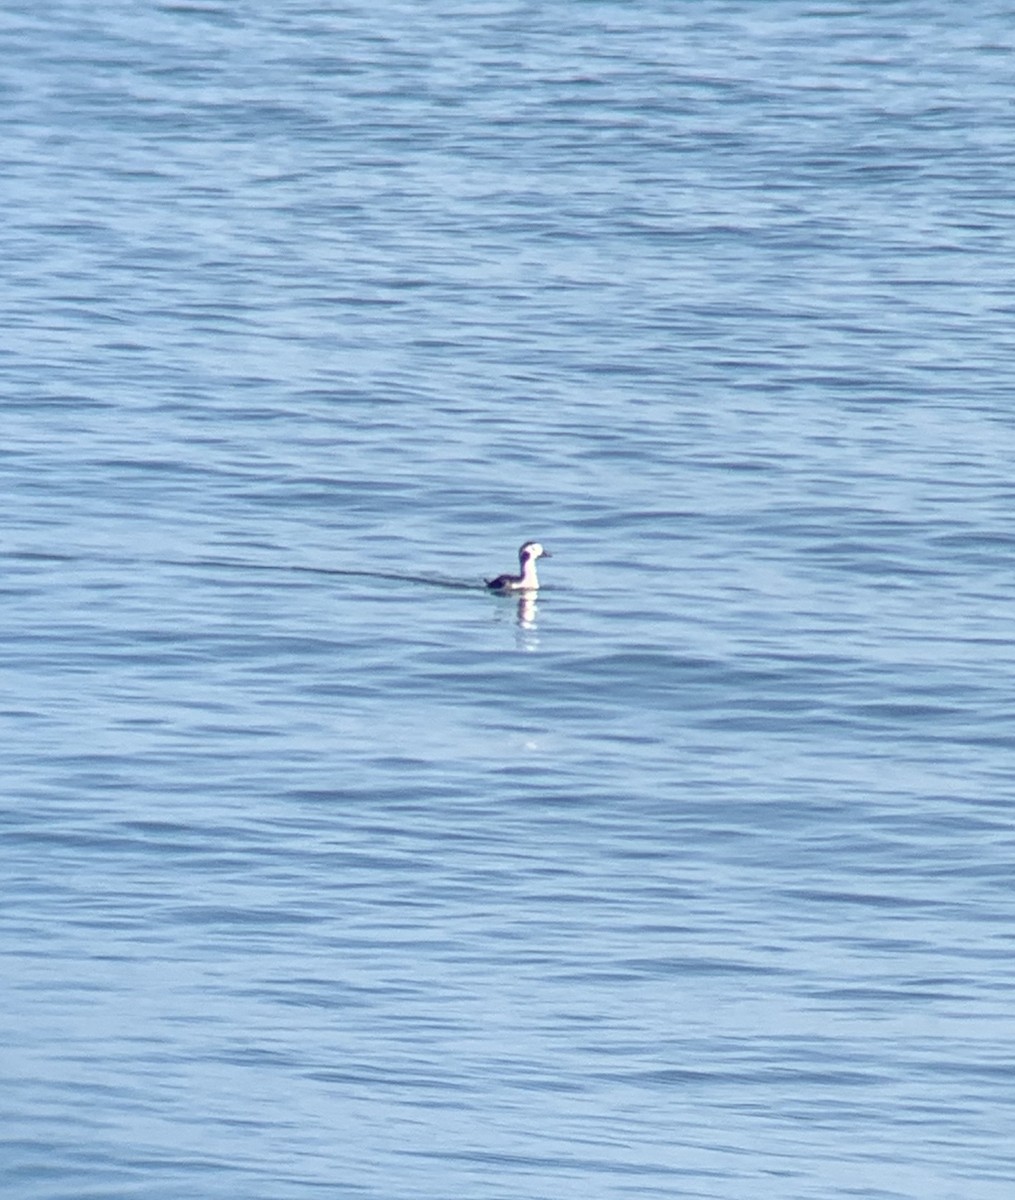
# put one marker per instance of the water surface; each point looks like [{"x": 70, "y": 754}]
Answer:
[{"x": 329, "y": 873}]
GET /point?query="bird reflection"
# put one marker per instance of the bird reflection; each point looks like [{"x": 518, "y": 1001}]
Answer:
[
  {"x": 526, "y": 632},
  {"x": 527, "y": 610}
]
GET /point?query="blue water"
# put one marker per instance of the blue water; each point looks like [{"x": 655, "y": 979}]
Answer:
[{"x": 328, "y": 873}]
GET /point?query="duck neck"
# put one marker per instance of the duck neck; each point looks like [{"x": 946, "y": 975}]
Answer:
[{"x": 529, "y": 577}]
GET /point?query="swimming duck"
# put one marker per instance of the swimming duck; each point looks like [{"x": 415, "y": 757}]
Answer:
[{"x": 528, "y": 580}]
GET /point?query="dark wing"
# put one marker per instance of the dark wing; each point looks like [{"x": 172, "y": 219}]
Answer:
[{"x": 499, "y": 583}]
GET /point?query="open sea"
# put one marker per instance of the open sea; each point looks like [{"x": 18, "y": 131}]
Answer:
[{"x": 329, "y": 875}]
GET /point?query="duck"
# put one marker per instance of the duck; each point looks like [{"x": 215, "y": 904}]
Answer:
[{"x": 528, "y": 580}]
